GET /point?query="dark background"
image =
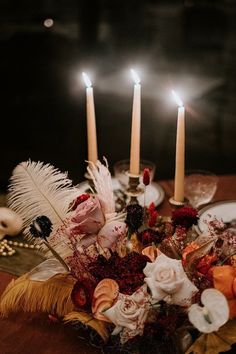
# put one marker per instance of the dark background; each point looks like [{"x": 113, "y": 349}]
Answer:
[{"x": 187, "y": 45}]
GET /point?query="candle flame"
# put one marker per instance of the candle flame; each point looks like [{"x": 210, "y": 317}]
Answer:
[
  {"x": 87, "y": 80},
  {"x": 177, "y": 99},
  {"x": 135, "y": 76}
]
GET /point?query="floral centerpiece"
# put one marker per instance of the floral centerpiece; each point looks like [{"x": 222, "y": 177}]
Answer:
[{"x": 141, "y": 281}]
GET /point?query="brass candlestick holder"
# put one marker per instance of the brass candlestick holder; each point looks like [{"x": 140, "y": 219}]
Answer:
[
  {"x": 177, "y": 204},
  {"x": 133, "y": 191}
]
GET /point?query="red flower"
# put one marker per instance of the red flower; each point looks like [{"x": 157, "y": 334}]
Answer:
[
  {"x": 79, "y": 200},
  {"x": 152, "y": 215},
  {"x": 82, "y": 294},
  {"x": 146, "y": 176},
  {"x": 185, "y": 217}
]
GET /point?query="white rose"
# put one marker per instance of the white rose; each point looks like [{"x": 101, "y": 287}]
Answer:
[
  {"x": 129, "y": 313},
  {"x": 167, "y": 281}
]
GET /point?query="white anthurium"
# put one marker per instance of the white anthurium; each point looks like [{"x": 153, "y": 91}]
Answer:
[
  {"x": 214, "y": 313},
  {"x": 168, "y": 281}
]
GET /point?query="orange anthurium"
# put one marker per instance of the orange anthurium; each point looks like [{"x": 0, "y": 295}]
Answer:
[{"x": 224, "y": 278}]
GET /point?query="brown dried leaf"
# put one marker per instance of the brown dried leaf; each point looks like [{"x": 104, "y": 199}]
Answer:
[
  {"x": 199, "y": 346},
  {"x": 216, "y": 342}
]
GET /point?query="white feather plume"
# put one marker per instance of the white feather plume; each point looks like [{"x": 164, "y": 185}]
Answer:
[
  {"x": 103, "y": 184},
  {"x": 40, "y": 189}
]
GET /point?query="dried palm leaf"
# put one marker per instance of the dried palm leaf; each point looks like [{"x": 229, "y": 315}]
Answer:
[
  {"x": 216, "y": 342},
  {"x": 52, "y": 296},
  {"x": 87, "y": 319}
]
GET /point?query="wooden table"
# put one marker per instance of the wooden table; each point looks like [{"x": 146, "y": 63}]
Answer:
[{"x": 35, "y": 334}]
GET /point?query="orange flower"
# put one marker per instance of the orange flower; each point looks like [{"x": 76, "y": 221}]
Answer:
[
  {"x": 188, "y": 249},
  {"x": 224, "y": 278}
]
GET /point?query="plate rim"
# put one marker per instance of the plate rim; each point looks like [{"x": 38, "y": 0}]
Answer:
[
  {"x": 156, "y": 185},
  {"x": 209, "y": 206}
]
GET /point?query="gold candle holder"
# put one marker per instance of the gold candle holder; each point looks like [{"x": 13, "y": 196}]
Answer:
[
  {"x": 133, "y": 191},
  {"x": 177, "y": 204}
]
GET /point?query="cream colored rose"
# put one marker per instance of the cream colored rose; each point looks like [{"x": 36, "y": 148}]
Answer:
[
  {"x": 129, "y": 313},
  {"x": 167, "y": 281}
]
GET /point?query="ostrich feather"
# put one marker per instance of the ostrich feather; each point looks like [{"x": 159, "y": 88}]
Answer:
[
  {"x": 51, "y": 296},
  {"x": 103, "y": 184},
  {"x": 40, "y": 189}
]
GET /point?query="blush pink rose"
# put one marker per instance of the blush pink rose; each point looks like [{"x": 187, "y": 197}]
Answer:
[
  {"x": 111, "y": 233},
  {"x": 87, "y": 218}
]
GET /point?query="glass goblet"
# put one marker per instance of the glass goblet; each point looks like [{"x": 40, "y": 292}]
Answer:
[{"x": 200, "y": 187}]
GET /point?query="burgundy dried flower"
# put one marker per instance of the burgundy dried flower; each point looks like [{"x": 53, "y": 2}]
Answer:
[
  {"x": 79, "y": 200},
  {"x": 146, "y": 176},
  {"x": 126, "y": 271},
  {"x": 185, "y": 217},
  {"x": 134, "y": 218},
  {"x": 149, "y": 236}
]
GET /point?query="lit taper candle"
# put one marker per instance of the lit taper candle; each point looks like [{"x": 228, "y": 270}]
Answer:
[
  {"x": 180, "y": 151},
  {"x": 136, "y": 123},
  {"x": 91, "y": 121}
]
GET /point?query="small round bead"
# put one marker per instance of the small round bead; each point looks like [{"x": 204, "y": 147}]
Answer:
[
  {"x": 4, "y": 253},
  {"x": 10, "y": 242},
  {"x": 15, "y": 243},
  {"x": 21, "y": 244},
  {"x": 26, "y": 245},
  {"x": 31, "y": 246}
]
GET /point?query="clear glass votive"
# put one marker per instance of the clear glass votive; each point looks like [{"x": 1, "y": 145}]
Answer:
[
  {"x": 200, "y": 187},
  {"x": 122, "y": 167}
]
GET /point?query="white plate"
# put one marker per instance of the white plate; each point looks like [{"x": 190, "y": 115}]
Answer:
[
  {"x": 225, "y": 210},
  {"x": 154, "y": 192}
]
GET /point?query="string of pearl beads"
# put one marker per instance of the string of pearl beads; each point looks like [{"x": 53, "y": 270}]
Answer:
[{"x": 7, "y": 250}]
